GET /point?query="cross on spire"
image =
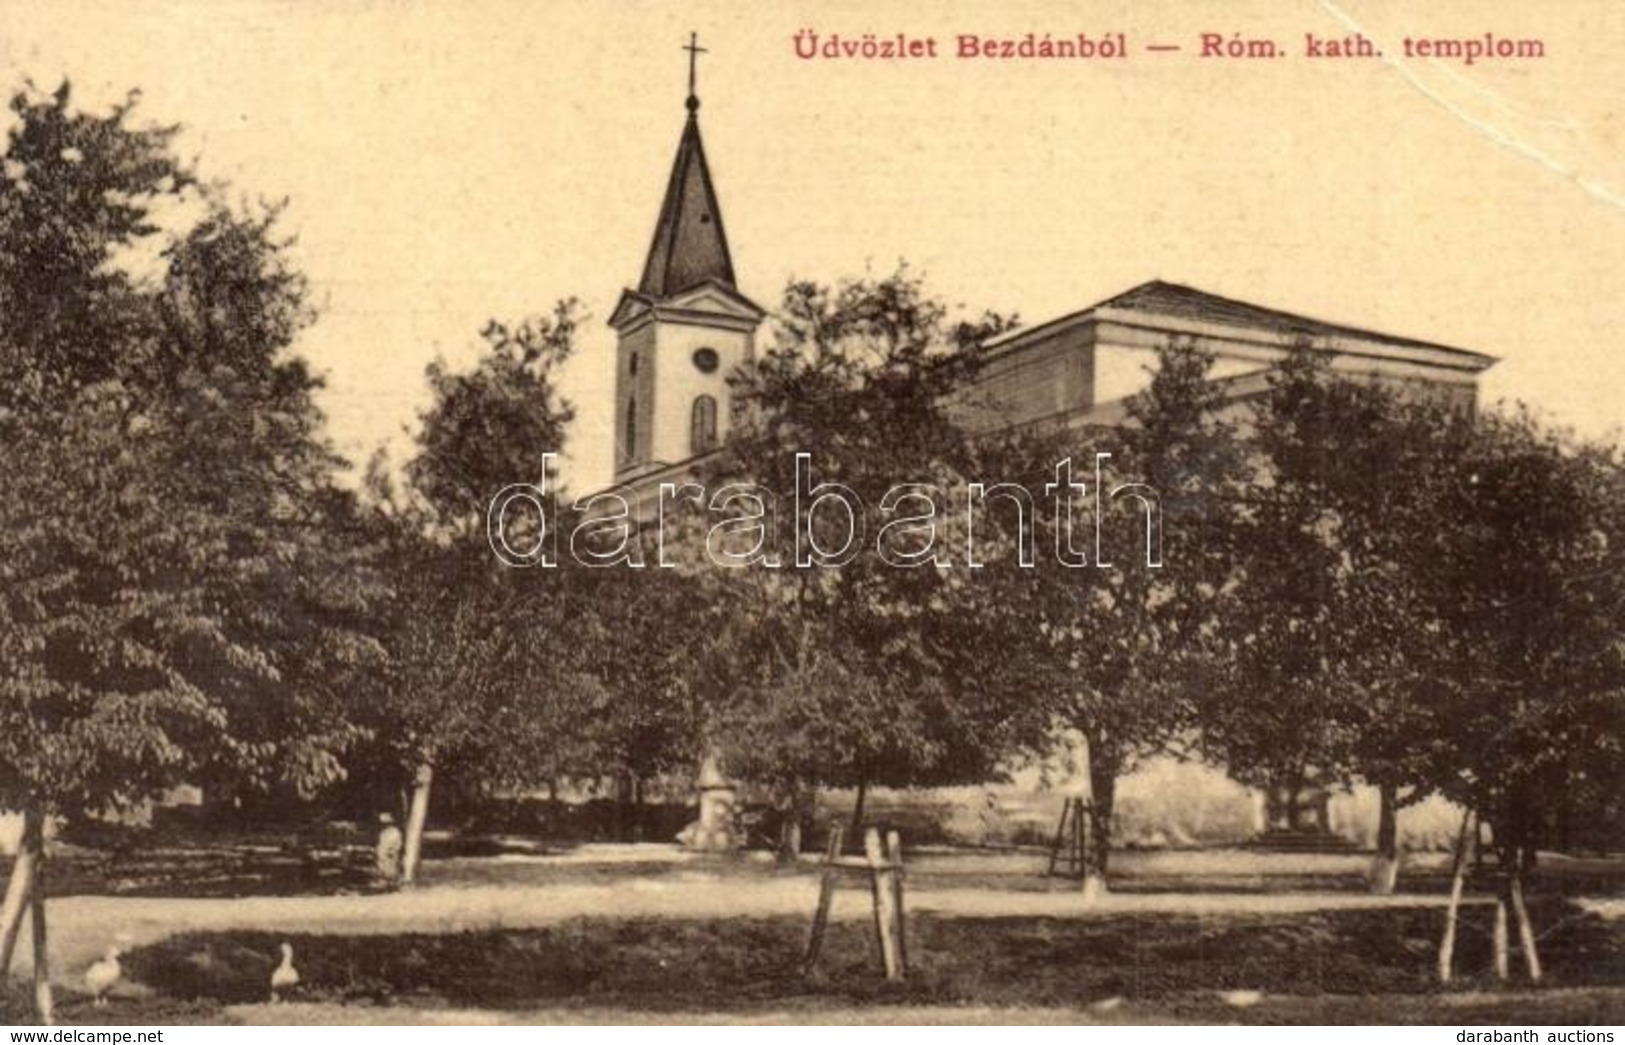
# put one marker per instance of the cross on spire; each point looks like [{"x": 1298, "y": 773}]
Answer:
[{"x": 694, "y": 51}]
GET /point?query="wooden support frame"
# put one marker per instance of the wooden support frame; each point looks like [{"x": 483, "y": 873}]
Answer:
[
  {"x": 1073, "y": 837},
  {"x": 1509, "y": 906},
  {"x": 883, "y": 867}
]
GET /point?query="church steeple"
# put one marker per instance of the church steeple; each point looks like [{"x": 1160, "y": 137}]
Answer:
[
  {"x": 689, "y": 245},
  {"x": 685, "y": 328}
]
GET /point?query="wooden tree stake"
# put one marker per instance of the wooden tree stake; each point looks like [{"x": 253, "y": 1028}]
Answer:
[
  {"x": 826, "y": 899},
  {"x": 1458, "y": 881},
  {"x": 1068, "y": 854},
  {"x": 894, "y": 856},
  {"x": 1499, "y": 937},
  {"x": 1526, "y": 932},
  {"x": 1058, "y": 847},
  {"x": 885, "y": 894},
  {"x": 19, "y": 887}
]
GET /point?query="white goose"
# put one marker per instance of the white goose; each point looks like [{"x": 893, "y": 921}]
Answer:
[
  {"x": 284, "y": 976},
  {"x": 103, "y": 974}
]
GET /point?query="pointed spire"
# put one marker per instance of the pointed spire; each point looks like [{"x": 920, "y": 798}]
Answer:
[{"x": 689, "y": 245}]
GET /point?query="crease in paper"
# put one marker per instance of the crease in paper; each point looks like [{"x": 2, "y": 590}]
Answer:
[{"x": 1484, "y": 123}]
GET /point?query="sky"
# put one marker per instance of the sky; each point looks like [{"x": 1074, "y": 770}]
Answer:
[{"x": 446, "y": 163}]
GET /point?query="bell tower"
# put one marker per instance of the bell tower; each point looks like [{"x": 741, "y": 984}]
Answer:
[{"x": 686, "y": 327}]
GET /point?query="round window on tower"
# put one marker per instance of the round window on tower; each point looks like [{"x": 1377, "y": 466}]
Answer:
[{"x": 706, "y": 360}]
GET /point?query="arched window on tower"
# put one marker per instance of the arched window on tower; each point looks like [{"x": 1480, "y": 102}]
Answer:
[
  {"x": 629, "y": 436},
  {"x": 702, "y": 435}
]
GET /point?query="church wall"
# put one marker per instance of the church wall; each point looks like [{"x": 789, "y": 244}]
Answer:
[
  {"x": 1242, "y": 350},
  {"x": 681, "y": 382},
  {"x": 1121, "y": 372},
  {"x": 639, "y": 386},
  {"x": 1126, "y": 370},
  {"x": 1460, "y": 396},
  {"x": 1053, "y": 375},
  {"x": 1086, "y": 366}
]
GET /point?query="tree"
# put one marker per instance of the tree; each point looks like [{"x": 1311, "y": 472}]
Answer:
[
  {"x": 180, "y": 597},
  {"x": 838, "y": 668},
  {"x": 1528, "y": 585},
  {"x": 651, "y": 627},
  {"x": 295, "y": 575},
  {"x": 1332, "y": 621},
  {"x": 1422, "y": 602},
  {"x": 487, "y": 673},
  {"x": 495, "y": 424},
  {"x": 1111, "y": 637}
]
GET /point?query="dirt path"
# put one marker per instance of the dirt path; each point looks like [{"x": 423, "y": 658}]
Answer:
[{"x": 82, "y": 926}]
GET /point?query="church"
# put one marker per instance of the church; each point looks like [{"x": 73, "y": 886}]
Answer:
[{"x": 687, "y": 325}]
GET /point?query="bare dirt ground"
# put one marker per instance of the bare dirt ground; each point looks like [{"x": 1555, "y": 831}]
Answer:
[
  {"x": 663, "y": 881},
  {"x": 648, "y": 933}
]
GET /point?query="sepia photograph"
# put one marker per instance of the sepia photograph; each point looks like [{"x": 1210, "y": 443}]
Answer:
[{"x": 891, "y": 514}]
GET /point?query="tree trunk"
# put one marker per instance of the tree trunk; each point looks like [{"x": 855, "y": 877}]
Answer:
[
  {"x": 625, "y": 785},
  {"x": 1294, "y": 798},
  {"x": 1097, "y": 834},
  {"x": 794, "y": 809},
  {"x": 416, "y": 816},
  {"x": 1385, "y": 868},
  {"x": 636, "y": 789},
  {"x": 856, "y": 830},
  {"x": 42, "y": 962},
  {"x": 19, "y": 887},
  {"x": 1565, "y": 818}
]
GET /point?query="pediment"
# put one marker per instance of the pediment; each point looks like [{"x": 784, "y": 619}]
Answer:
[
  {"x": 631, "y": 307},
  {"x": 715, "y": 298},
  {"x": 709, "y": 301}
]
